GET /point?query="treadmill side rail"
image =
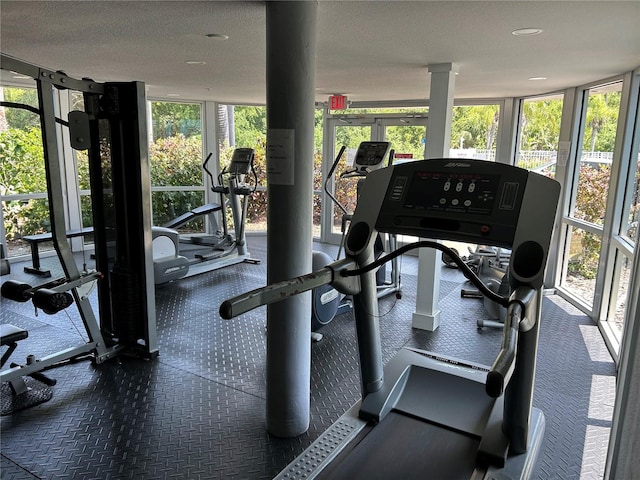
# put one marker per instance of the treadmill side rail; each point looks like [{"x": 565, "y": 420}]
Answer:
[{"x": 310, "y": 463}]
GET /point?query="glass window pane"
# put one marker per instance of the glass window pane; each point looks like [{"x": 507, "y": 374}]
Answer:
[
  {"x": 630, "y": 227},
  {"x": 176, "y": 150},
  {"x": 539, "y": 134},
  {"x": 600, "y": 125},
  {"x": 176, "y": 161},
  {"x": 25, "y": 217},
  {"x": 620, "y": 290},
  {"x": 246, "y": 127},
  {"x": 408, "y": 141},
  {"x": 257, "y": 211},
  {"x": 582, "y": 264},
  {"x": 22, "y": 171},
  {"x": 473, "y": 131},
  {"x": 345, "y": 189}
]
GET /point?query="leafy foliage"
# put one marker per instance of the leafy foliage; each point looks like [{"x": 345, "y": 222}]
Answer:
[
  {"x": 590, "y": 205},
  {"x": 176, "y": 161},
  {"x": 171, "y": 119},
  {"x": 18, "y": 118},
  {"x": 474, "y": 127},
  {"x": 22, "y": 172}
]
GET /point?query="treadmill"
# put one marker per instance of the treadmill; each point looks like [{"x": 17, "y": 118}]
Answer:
[{"x": 426, "y": 416}]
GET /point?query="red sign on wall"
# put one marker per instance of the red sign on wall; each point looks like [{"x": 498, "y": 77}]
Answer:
[{"x": 337, "y": 102}]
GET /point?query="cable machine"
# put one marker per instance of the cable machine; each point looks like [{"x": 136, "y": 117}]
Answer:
[{"x": 112, "y": 128}]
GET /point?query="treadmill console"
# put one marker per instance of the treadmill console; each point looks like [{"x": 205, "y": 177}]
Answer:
[{"x": 453, "y": 199}]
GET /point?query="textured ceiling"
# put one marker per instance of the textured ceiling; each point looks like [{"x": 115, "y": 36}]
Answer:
[{"x": 367, "y": 50}]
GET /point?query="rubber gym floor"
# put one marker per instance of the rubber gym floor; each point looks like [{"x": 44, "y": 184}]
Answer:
[{"x": 197, "y": 411}]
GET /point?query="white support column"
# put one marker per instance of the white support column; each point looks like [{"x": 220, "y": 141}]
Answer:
[
  {"x": 291, "y": 54},
  {"x": 427, "y": 314}
]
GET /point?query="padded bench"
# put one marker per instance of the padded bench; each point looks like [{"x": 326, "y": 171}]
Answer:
[
  {"x": 35, "y": 240},
  {"x": 10, "y": 335}
]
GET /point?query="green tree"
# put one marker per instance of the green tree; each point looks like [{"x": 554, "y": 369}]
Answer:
[
  {"x": 22, "y": 172},
  {"x": 19, "y": 118},
  {"x": 250, "y": 126},
  {"x": 475, "y": 125},
  {"x": 541, "y": 124},
  {"x": 601, "y": 122}
]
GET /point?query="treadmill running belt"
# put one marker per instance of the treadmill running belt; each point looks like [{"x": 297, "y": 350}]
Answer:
[{"x": 407, "y": 448}]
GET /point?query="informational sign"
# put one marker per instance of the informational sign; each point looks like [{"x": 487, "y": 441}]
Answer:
[
  {"x": 403, "y": 155},
  {"x": 280, "y": 156},
  {"x": 337, "y": 102},
  {"x": 564, "y": 148}
]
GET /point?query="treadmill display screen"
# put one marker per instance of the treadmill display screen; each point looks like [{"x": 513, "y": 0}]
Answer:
[{"x": 456, "y": 192}]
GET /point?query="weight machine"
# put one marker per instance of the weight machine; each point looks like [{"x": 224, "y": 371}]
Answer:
[
  {"x": 112, "y": 128},
  {"x": 423, "y": 416}
]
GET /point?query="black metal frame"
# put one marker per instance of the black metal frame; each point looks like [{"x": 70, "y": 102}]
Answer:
[{"x": 115, "y": 120}]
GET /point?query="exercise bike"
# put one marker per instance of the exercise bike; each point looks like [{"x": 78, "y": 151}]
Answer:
[
  {"x": 423, "y": 416},
  {"x": 492, "y": 266}
]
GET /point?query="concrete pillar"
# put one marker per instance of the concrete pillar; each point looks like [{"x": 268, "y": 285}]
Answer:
[
  {"x": 291, "y": 46},
  {"x": 443, "y": 75}
]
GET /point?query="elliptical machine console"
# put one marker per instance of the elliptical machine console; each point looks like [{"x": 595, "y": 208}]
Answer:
[{"x": 444, "y": 419}]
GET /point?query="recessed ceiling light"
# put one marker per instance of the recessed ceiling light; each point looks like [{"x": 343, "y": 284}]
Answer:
[
  {"x": 195, "y": 62},
  {"x": 537, "y": 78},
  {"x": 218, "y": 36},
  {"x": 524, "y": 32},
  {"x": 173, "y": 94}
]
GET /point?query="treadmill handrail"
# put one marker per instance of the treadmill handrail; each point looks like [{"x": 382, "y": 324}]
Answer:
[
  {"x": 455, "y": 257},
  {"x": 504, "y": 364},
  {"x": 287, "y": 288}
]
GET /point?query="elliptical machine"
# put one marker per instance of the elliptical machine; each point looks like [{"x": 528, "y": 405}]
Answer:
[
  {"x": 210, "y": 251},
  {"x": 326, "y": 302}
]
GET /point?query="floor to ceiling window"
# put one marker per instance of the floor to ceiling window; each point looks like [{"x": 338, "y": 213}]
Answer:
[
  {"x": 176, "y": 159},
  {"x": 599, "y": 169},
  {"x": 590, "y": 184},
  {"x": 539, "y": 132},
  {"x": 474, "y": 131},
  {"x": 622, "y": 244},
  {"x": 245, "y": 126},
  {"x": 23, "y": 184}
]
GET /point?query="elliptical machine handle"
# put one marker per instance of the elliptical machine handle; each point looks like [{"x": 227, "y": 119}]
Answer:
[
  {"x": 206, "y": 169},
  {"x": 326, "y": 181}
]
